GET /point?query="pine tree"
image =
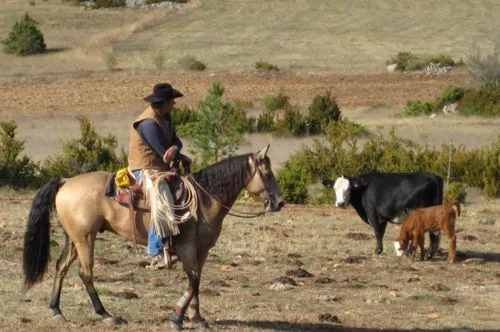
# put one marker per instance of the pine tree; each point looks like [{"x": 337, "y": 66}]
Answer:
[{"x": 218, "y": 129}]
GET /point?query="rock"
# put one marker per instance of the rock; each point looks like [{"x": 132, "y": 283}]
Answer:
[
  {"x": 127, "y": 295},
  {"x": 391, "y": 68},
  {"x": 300, "y": 273},
  {"x": 439, "y": 288},
  {"x": 450, "y": 108},
  {"x": 327, "y": 298},
  {"x": 328, "y": 318},
  {"x": 324, "y": 280}
]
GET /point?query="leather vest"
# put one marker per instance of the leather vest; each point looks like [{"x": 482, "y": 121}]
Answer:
[{"x": 140, "y": 155}]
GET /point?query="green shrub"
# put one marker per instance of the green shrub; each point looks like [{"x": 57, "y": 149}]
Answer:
[
  {"x": 88, "y": 153},
  {"x": 265, "y": 123},
  {"x": 191, "y": 63},
  {"x": 322, "y": 111},
  {"x": 266, "y": 67},
  {"x": 483, "y": 102},
  {"x": 24, "y": 38},
  {"x": 292, "y": 123},
  {"x": 455, "y": 191},
  {"x": 109, "y": 3},
  {"x": 181, "y": 116},
  {"x": 451, "y": 94},
  {"x": 341, "y": 155},
  {"x": 16, "y": 171},
  {"x": 292, "y": 180},
  {"x": 416, "y": 108},
  {"x": 275, "y": 102}
]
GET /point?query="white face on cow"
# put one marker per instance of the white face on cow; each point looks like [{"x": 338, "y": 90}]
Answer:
[{"x": 342, "y": 189}]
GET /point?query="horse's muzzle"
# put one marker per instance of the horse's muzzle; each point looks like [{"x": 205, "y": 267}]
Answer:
[{"x": 273, "y": 205}]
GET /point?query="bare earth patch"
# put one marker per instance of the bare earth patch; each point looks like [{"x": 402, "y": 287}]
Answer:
[{"x": 341, "y": 284}]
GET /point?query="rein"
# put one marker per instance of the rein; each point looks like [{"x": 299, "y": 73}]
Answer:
[{"x": 235, "y": 213}]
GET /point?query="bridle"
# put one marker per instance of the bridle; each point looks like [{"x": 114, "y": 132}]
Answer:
[{"x": 236, "y": 213}]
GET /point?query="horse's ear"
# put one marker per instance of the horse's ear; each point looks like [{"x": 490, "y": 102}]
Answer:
[{"x": 262, "y": 153}]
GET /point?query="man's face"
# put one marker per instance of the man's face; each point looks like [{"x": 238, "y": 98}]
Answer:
[{"x": 167, "y": 106}]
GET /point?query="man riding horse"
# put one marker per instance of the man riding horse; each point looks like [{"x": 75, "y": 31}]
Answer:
[{"x": 152, "y": 147}]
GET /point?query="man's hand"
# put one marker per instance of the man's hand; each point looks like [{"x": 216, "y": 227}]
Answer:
[{"x": 169, "y": 154}]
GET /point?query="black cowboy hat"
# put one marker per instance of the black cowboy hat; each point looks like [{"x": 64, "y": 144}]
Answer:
[{"x": 162, "y": 92}]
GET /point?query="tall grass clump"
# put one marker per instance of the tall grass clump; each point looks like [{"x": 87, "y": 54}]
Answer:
[
  {"x": 110, "y": 60},
  {"x": 266, "y": 67},
  {"x": 275, "y": 102},
  {"x": 109, "y": 4},
  {"x": 159, "y": 60},
  {"x": 191, "y": 63},
  {"x": 24, "y": 38}
]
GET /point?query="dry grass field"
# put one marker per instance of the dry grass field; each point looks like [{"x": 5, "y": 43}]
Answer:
[{"x": 319, "y": 45}]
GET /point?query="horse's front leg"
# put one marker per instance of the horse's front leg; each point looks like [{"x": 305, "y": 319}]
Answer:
[
  {"x": 194, "y": 306},
  {"x": 185, "y": 246}
]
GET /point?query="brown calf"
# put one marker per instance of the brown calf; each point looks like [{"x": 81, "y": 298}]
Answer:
[{"x": 434, "y": 218}]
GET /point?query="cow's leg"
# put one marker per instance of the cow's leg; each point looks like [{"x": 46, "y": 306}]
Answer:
[
  {"x": 434, "y": 244},
  {"x": 422, "y": 249},
  {"x": 379, "y": 234},
  {"x": 415, "y": 244}
]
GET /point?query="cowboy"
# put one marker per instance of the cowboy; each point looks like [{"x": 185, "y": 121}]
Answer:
[{"x": 153, "y": 145}]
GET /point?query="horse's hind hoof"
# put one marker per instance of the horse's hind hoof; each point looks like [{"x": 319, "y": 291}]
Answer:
[{"x": 176, "y": 321}]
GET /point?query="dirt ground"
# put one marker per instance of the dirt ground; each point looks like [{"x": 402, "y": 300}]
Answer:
[{"x": 306, "y": 268}]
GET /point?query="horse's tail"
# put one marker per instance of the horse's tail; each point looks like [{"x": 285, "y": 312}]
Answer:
[{"x": 36, "y": 253}]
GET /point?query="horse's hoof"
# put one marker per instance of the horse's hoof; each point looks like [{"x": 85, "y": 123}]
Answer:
[
  {"x": 378, "y": 251},
  {"x": 203, "y": 324},
  {"x": 59, "y": 318},
  {"x": 176, "y": 321},
  {"x": 114, "y": 321}
]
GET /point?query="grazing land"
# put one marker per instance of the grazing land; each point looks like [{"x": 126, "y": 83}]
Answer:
[{"x": 318, "y": 46}]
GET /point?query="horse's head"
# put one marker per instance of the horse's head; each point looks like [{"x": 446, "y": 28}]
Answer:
[{"x": 262, "y": 181}]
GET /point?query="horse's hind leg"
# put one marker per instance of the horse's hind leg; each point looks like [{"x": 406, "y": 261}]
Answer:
[
  {"x": 85, "y": 251},
  {"x": 67, "y": 257}
]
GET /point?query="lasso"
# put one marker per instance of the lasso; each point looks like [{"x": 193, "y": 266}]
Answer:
[{"x": 163, "y": 209}]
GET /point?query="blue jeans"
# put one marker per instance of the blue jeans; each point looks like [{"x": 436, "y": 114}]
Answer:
[{"x": 155, "y": 242}]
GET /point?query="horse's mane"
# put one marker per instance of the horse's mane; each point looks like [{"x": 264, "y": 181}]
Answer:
[{"x": 225, "y": 176}]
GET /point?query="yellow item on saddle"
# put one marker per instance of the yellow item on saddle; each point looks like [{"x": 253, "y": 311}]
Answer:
[{"x": 122, "y": 179}]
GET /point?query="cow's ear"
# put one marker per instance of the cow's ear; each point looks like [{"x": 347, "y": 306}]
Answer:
[{"x": 328, "y": 183}]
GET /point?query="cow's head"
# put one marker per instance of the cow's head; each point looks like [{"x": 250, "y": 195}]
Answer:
[{"x": 343, "y": 187}]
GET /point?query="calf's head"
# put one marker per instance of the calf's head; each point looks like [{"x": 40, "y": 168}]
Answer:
[{"x": 342, "y": 187}]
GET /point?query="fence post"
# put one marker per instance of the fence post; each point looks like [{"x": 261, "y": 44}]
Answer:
[{"x": 450, "y": 154}]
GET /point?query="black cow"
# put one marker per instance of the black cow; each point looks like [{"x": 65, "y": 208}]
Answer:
[{"x": 379, "y": 198}]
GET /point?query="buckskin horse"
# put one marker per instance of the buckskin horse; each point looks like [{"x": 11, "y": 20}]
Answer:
[{"x": 84, "y": 211}]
